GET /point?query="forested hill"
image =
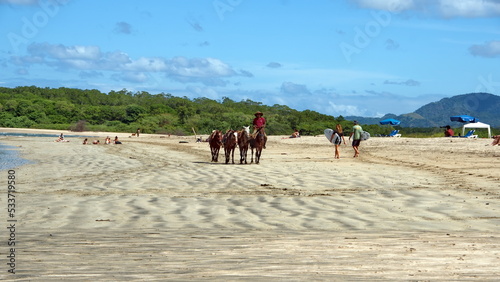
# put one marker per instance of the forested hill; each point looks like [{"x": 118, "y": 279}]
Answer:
[
  {"x": 484, "y": 106},
  {"x": 124, "y": 111}
]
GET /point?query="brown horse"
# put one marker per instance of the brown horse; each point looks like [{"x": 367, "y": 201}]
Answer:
[
  {"x": 229, "y": 143},
  {"x": 257, "y": 141},
  {"x": 243, "y": 141},
  {"x": 215, "y": 141}
]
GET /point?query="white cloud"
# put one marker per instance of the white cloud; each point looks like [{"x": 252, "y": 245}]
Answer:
[
  {"x": 388, "y": 5},
  {"x": 60, "y": 51},
  {"x": 391, "y": 44},
  {"x": 489, "y": 49},
  {"x": 345, "y": 110},
  {"x": 19, "y": 2},
  {"x": 135, "y": 77},
  {"x": 274, "y": 65},
  {"x": 209, "y": 71},
  {"x": 246, "y": 73},
  {"x": 294, "y": 89},
  {"x": 196, "y": 26},
  {"x": 441, "y": 8},
  {"x": 22, "y": 71},
  {"x": 155, "y": 64},
  {"x": 409, "y": 82},
  {"x": 113, "y": 61},
  {"x": 123, "y": 27},
  {"x": 90, "y": 74},
  {"x": 469, "y": 8},
  {"x": 26, "y": 60},
  {"x": 207, "y": 92}
]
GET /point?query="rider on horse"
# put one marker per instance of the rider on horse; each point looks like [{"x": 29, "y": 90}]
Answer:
[{"x": 259, "y": 122}]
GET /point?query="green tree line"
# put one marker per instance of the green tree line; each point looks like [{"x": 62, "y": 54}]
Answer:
[{"x": 125, "y": 111}]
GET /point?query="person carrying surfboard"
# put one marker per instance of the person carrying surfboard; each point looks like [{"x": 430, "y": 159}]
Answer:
[
  {"x": 259, "y": 122},
  {"x": 356, "y": 133},
  {"x": 337, "y": 138}
]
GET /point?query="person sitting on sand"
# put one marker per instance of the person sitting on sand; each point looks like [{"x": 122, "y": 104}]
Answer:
[
  {"x": 448, "y": 132},
  {"x": 107, "y": 141},
  {"x": 295, "y": 134},
  {"x": 60, "y": 139},
  {"x": 116, "y": 140},
  {"x": 85, "y": 141},
  {"x": 95, "y": 142},
  {"x": 496, "y": 140}
]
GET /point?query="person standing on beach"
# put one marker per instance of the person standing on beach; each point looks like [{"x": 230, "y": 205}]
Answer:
[
  {"x": 259, "y": 122},
  {"x": 356, "y": 135},
  {"x": 138, "y": 132},
  {"x": 338, "y": 140}
]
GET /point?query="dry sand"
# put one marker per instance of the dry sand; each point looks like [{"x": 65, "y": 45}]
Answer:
[{"x": 156, "y": 209}]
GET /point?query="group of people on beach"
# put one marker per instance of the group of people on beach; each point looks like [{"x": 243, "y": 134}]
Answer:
[
  {"x": 260, "y": 122},
  {"x": 107, "y": 141},
  {"x": 338, "y": 138},
  {"x": 448, "y": 132}
]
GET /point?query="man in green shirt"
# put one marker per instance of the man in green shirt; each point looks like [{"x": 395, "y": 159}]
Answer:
[{"x": 356, "y": 134}]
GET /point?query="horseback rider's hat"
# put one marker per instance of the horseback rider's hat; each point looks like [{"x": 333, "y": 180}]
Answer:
[{"x": 258, "y": 113}]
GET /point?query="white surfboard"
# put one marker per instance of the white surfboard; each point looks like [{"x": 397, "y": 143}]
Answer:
[
  {"x": 365, "y": 135},
  {"x": 328, "y": 134}
]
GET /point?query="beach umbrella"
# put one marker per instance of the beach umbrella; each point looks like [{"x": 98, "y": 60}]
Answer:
[
  {"x": 464, "y": 118},
  {"x": 390, "y": 121}
]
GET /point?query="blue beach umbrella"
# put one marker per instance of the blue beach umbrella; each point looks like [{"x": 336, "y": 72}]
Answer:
[
  {"x": 390, "y": 121},
  {"x": 464, "y": 118}
]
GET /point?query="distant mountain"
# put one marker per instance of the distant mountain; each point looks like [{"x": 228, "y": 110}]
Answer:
[{"x": 484, "y": 106}]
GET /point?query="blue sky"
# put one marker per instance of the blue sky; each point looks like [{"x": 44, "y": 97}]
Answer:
[{"x": 337, "y": 57}]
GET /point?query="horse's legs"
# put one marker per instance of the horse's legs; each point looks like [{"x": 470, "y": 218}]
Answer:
[
  {"x": 216, "y": 155},
  {"x": 242, "y": 154}
]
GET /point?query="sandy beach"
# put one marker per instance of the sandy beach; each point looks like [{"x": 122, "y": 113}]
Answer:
[{"x": 155, "y": 208}]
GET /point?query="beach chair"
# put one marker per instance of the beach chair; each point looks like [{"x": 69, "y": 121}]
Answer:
[
  {"x": 469, "y": 134},
  {"x": 394, "y": 133}
]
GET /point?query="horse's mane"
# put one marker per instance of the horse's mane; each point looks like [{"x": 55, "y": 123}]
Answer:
[
  {"x": 214, "y": 133},
  {"x": 216, "y": 136}
]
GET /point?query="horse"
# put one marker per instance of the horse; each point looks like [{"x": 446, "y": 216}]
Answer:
[
  {"x": 243, "y": 141},
  {"x": 215, "y": 141},
  {"x": 257, "y": 141},
  {"x": 229, "y": 143}
]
